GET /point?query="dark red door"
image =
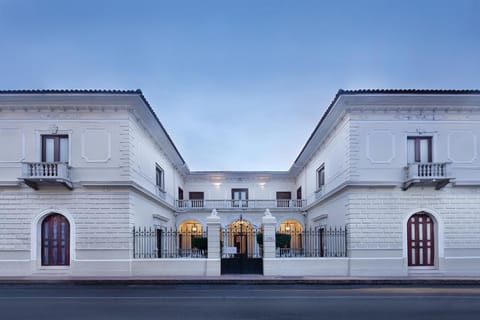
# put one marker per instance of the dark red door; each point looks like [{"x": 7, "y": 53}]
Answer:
[
  {"x": 55, "y": 241},
  {"x": 421, "y": 240}
]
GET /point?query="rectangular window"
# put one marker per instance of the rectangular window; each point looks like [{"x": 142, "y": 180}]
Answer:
[
  {"x": 419, "y": 149},
  {"x": 196, "y": 198},
  {"x": 283, "y": 199},
  {"x": 54, "y": 148},
  {"x": 160, "y": 178},
  {"x": 239, "y": 198},
  {"x": 321, "y": 177}
]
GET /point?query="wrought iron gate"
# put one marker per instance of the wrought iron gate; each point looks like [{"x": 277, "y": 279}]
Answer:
[{"x": 241, "y": 252}]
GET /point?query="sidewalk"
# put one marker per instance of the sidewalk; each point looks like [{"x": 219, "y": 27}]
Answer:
[{"x": 248, "y": 280}]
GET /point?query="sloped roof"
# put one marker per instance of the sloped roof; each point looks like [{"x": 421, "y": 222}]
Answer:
[
  {"x": 409, "y": 91},
  {"x": 342, "y": 92},
  {"x": 100, "y": 91}
]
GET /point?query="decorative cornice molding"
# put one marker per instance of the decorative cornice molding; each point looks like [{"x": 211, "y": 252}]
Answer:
[{"x": 238, "y": 176}]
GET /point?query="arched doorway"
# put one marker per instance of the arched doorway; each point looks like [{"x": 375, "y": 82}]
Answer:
[
  {"x": 192, "y": 241},
  {"x": 421, "y": 240},
  {"x": 290, "y": 238},
  {"x": 55, "y": 240}
]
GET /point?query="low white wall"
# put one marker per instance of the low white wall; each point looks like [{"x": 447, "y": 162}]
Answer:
[
  {"x": 298, "y": 267},
  {"x": 99, "y": 268},
  {"x": 15, "y": 268},
  {"x": 462, "y": 266},
  {"x": 175, "y": 267},
  {"x": 372, "y": 267},
  {"x": 305, "y": 267}
]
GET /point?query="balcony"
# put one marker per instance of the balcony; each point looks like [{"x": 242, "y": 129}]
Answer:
[
  {"x": 36, "y": 173},
  {"x": 436, "y": 174},
  {"x": 240, "y": 204}
]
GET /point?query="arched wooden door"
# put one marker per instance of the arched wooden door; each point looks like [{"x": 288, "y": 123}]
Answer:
[
  {"x": 421, "y": 240},
  {"x": 55, "y": 241}
]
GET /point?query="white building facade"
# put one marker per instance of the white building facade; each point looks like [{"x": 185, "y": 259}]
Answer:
[{"x": 92, "y": 185}]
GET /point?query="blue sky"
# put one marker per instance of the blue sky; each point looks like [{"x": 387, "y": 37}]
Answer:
[{"x": 239, "y": 85}]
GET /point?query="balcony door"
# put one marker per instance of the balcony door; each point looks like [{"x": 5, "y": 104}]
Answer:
[
  {"x": 283, "y": 199},
  {"x": 54, "y": 148},
  {"x": 419, "y": 149},
  {"x": 196, "y": 199},
  {"x": 239, "y": 196}
]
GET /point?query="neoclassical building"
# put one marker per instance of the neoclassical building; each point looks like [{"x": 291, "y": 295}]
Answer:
[{"x": 387, "y": 184}]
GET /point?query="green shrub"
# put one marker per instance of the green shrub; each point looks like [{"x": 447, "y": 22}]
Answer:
[
  {"x": 282, "y": 240},
  {"x": 200, "y": 243},
  {"x": 260, "y": 238}
]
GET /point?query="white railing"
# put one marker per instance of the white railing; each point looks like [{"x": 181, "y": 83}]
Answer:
[
  {"x": 45, "y": 170},
  {"x": 240, "y": 204},
  {"x": 428, "y": 170}
]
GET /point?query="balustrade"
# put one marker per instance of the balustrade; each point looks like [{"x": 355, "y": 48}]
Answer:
[
  {"x": 241, "y": 204},
  {"x": 35, "y": 172}
]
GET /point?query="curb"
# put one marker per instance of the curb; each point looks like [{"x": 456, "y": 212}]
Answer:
[{"x": 233, "y": 281}]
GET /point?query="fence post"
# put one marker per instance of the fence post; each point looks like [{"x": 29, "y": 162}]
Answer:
[
  {"x": 134, "y": 243},
  {"x": 269, "y": 226},
  {"x": 213, "y": 229}
]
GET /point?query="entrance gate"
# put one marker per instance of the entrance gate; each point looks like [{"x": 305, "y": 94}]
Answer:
[{"x": 241, "y": 253}]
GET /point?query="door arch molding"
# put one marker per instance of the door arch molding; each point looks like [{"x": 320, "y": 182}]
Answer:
[{"x": 36, "y": 234}]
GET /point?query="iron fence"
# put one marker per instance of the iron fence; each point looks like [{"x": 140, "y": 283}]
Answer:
[
  {"x": 153, "y": 243},
  {"x": 320, "y": 242}
]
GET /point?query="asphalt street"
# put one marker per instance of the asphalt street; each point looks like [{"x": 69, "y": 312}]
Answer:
[{"x": 107, "y": 301}]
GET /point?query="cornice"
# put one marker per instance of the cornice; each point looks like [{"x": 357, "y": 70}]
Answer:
[{"x": 238, "y": 176}]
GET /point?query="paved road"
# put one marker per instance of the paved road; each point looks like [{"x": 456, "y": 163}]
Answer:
[{"x": 73, "y": 301}]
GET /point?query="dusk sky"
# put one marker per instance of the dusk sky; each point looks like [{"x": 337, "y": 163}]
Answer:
[{"x": 239, "y": 85}]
